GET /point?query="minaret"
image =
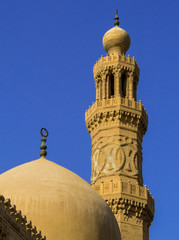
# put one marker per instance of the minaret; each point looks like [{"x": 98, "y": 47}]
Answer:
[{"x": 117, "y": 123}]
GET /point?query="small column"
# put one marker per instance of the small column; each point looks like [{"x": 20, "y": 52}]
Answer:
[
  {"x": 107, "y": 87},
  {"x": 103, "y": 87},
  {"x": 130, "y": 86},
  {"x": 116, "y": 84},
  {"x": 100, "y": 90},
  {"x": 97, "y": 89},
  {"x": 134, "y": 88}
]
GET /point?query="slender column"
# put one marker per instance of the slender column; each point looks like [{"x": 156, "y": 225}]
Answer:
[
  {"x": 97, "y": 90},
  {"x": 116, "y": 84},
  {"x": 100, "y": 86},
  {"x": 107, "y": 87},
  {"x": 103, "y": 87},
  {"x": 130, "y": 86}
]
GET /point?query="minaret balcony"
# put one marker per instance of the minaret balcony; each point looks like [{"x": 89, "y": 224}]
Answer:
[
  {"x": 117, "y": 111},
  {"x": 115, "y": 102},
  {"x": 116, "y": 61},
  {"x": 127, "y": 197}
]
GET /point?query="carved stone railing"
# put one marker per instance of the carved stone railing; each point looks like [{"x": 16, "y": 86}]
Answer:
[
  {"x": 18, "y": 221},
  {"x": 117, "y": 101},
  {"x": 115, "y": 60},
  {"x": 116, "y": 57}
]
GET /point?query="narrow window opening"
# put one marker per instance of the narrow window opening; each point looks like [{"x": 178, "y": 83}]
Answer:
[
  {"x": 123, "y": 85},
  {"x": 111, "y": 85}
]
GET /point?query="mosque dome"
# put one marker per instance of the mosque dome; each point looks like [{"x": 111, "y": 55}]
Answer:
[
  {"x": 60, "y": 203},
  {"x": 116, "y": 40}
]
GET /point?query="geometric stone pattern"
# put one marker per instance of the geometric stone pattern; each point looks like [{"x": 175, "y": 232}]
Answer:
[
  {"x": 118, "y": 155},
  {"x": 14, "y": 225}
]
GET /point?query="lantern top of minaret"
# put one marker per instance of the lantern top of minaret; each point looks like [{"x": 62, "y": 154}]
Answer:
[{"x": 116, "y": 40}]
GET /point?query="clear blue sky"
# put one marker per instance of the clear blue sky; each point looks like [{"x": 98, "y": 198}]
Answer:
[{"x": 47, "y": 52}]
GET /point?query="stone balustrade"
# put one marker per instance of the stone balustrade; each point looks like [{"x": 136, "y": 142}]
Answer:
[
  {"x": 116, "y": 57},
  {"x": 113, "y": 60},
  {"x": 112, "y": 102}
]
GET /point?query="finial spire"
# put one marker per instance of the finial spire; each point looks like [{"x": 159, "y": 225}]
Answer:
[
  {"x": 116, "y": 22},
  {"x": 43, "y": 147}
]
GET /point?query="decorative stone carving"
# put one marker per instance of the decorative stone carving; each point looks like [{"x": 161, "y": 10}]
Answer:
[
  {"x": 126, "y": 207},
  {"x": 98, "y": 116},
  {"x": 113, "y": 63},
  {"x": 120, "y": 154}
]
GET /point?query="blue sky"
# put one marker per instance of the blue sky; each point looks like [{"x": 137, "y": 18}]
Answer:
[{"x": 47, "y": 53}]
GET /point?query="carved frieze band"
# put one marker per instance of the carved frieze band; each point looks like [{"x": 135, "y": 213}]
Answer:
[
  {"x": 113, "y": 187},
  {"x": 115, "y": 118},
  {"x": 103, "y": 71},
  {"x": 129, "y": 208}
]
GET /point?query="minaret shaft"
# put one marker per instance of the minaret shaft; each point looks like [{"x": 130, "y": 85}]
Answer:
[{"x": 117, "y": 123}]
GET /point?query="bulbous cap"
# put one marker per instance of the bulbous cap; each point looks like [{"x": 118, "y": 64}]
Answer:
[{"x": 116, "y": 40}]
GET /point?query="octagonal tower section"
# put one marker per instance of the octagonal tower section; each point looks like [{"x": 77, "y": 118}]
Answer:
[{"x": 117, "y": 124}]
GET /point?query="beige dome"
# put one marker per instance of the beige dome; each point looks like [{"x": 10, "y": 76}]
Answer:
[
  {"x": 116, "y": 40},
  {"x": 60, "y": 203}
]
